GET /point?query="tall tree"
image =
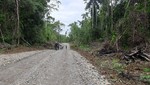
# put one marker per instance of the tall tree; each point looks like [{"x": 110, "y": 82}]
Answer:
[
  {"x": 18, "y": 22},
  {"x": 94, "y": 6},
  {"x": 111, "y": 14}
]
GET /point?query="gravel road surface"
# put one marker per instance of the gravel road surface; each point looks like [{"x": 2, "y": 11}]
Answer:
[{"x": 48, "y": 67}]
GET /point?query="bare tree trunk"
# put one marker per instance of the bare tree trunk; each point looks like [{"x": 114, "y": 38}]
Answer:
[
  {"x": 145, "y": 5},
  {"x": 146, "y": 17},
  {"x": 107, "y": 26},
  {"x": 133, "y": 35},
  {"x": 2, "y": 34},
  {"x": 18, "y": 21},
  {"x": 112, "y": 16}
]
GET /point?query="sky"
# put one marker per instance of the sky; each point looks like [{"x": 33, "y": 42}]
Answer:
[{"x": 69, "y": 11}]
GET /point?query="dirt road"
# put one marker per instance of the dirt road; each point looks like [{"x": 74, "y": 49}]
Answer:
[{"x": 48, "y": 67}]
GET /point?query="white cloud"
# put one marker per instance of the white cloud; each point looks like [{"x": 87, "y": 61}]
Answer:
[{"x": 69, "y": 11}]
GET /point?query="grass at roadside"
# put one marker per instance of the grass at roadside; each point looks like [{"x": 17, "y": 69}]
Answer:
[
  {"x": 81, "y": 47},
  {"x": 2, "y": 50}
]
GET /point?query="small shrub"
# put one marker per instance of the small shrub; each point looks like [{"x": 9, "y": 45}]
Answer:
[
  {"x": 105, "y": 64},
  {"x": 2, "y": 50},
  {"x": 145, "y": 78},
  {"x": 84, "y": 47},
  {"x": 117, "y": 66},
  {"x": 146, "y": 69}
]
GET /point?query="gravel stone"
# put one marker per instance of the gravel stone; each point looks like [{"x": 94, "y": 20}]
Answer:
[{"x": 48, "y": 67}]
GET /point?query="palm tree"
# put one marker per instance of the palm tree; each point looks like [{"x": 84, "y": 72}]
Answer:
[
  {"x": 94, "y": 5},
  {"x": 85, "y": 16}
]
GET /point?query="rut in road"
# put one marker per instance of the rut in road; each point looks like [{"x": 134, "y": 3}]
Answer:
[{"x": 62, "y": 67}]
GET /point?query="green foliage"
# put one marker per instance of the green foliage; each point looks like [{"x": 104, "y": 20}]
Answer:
[
  {"x": 146, "y": 69},
  {"x": 2, "y": 17},
  {"x": 117, "y": 66},
  {"x": 80, "y": 34},
  {"x": 33, "y": 28},
  {"x": 114, "y": 36},
  {"x": 85, "y": 47},
  {"x": 145, "y": 78},
  {"x": 2, "y": 50},
  {"x": 125, "y": 23}
]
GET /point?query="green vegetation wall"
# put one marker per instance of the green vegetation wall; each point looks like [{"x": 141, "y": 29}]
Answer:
[
  {"x": 122, "y": 22},
  {"x": 34, "y": 27}
]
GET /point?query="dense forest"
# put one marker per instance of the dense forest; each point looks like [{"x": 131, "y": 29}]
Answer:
[
  {"x": 110, "y": 35},
  {"x": 29, "y": 21},
  {"x": 123, "y": 23}
]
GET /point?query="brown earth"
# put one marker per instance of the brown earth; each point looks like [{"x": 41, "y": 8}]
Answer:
[
  {"x": 117, "y": 71},
  {"x": 9, "y": 49},
  {"x": 20, "y": 48}
]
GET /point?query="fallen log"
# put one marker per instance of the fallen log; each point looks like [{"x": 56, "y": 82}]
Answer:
[{"x": 137, "y": 55}]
